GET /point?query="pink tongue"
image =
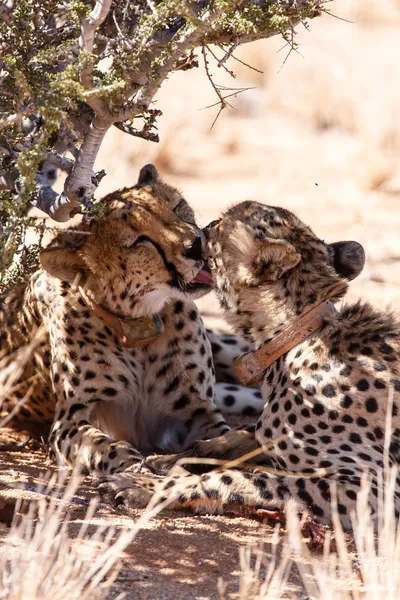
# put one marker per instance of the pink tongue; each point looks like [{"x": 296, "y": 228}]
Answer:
[{"x": 204, "y": 276}]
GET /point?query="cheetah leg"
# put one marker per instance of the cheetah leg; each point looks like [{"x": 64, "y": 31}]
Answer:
[
  {"x": 233, "y": 490},
  {"x": 129, "y": 489},
  {"x": 230, "y": 396},
  {"x": 209, "y": 493},
  {"x": 78, "y": 442}
]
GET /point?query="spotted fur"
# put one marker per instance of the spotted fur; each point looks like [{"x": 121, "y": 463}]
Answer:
[
  {"x": 107, "y": 404},
  {"x": 326, "y": 400}
]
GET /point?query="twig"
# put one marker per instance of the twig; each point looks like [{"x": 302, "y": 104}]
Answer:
[
  {"x": 228, "y": 54},
  {"x": 153, "y": 9},
  {"x": 221, "y": 64},
  {"x": 190, "y": 39},
  {"x": 210, "y": 79},
  {"x": 61, "y": 162},
  {"x": 117, "y": 27},
  {"x": 327, "y": 12},
  {"x": 235, "y": 93},
  {"x": 89, "y": 25},
  {"x": 289, "y": 41},
  {"x": 146, "y": 132},
  {"x": 222, "y": 101},
  {"x": 246, "y": 64},
  {"x": 217, "y": 116}
]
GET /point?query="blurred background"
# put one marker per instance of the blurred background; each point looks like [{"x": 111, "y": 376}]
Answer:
[{"x": 319, "y": 134}]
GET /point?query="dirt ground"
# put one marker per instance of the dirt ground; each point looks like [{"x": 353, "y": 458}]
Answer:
[
  {"x": 319, "y": 135},
  {"x": 176, "y": 556}
]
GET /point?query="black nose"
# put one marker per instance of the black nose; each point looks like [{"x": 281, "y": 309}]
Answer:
[{"x": 195, "y": 251}]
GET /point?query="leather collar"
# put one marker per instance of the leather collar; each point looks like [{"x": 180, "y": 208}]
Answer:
[
  {"x": 250, "y": 367},
  {"x": 131, "y": 333}
]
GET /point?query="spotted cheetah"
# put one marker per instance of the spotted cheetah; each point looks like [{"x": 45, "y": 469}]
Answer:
[
  {"x": 326, "y": 398},
  {"x": 121, "y": 365}
]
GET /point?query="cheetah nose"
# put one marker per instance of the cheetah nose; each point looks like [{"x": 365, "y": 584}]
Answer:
[{"x": 195, "y": 251}]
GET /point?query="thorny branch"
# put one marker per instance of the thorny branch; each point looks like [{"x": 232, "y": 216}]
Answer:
[
  {"x": 222, "y": 101},
  {"x": 228, "y": 54},
  {"x": 147, "y": 132},
  {"x": 76, "y": 72}
]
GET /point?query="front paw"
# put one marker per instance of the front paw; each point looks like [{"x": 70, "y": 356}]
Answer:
[
  {"x": 189, "y": 461},
  {"x": 128, "y": 489},
  {"x": 162, "y": 464}
]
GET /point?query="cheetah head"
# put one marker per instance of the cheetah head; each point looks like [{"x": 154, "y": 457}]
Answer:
[
  {"x": 259, "y": 249},
  {"x": 145, "y": 251}
]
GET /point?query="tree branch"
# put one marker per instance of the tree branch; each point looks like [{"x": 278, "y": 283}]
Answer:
[
  {"x": 79, "y": 184},
  {"x": 146, "y": 133},
  {"x": 61, "y": 162},
  {"x": 144, "y": 41},
  {"x": 86, "y": 42}
]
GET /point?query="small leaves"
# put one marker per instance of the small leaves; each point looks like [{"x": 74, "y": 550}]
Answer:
[{"x": 67, "y": 66}]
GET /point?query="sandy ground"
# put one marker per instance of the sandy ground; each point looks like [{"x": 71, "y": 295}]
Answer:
[
  {"x": 176, "y": 556},
  {"x": 319, "y": 135}
]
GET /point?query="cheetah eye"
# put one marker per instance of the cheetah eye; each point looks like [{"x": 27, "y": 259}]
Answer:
[
  {"x": 142, "y": 239},
  {"x": 184, "y": 212}
]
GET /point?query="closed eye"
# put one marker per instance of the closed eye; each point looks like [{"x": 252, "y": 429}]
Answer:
[
  {"x": 184, "y": 212},
  {"x": 169, "y": 266},
  {"x": 140, "y": 240}
]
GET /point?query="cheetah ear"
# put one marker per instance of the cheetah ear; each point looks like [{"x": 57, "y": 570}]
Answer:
[
  {"x": 64, "y": 263},
  {"x": 348, "y": 258},
  {"x": 274, "y": 258},
  {"x": 148, "y": 175}
]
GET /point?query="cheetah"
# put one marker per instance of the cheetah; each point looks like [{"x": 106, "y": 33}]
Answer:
[
  {"x": 123, "y": 365},
  {"x": 327, "y": 373}
]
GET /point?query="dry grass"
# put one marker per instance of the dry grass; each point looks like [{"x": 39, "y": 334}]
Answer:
[
  {"x": 39, "y": 561},
  {"x": 272, "y": 584},
  {"x": 11, "y": 371},
  {"x": 363, "y": 565},
  {"x": 38, "y": 558}
]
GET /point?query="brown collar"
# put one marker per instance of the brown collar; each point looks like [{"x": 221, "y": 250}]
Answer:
[
  {"x": 250, "y": 367},
  {"x": 131, "y": 333}
]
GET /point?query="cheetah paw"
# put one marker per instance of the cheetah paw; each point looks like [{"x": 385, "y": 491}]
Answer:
[{"x": 128, "y": 489}]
